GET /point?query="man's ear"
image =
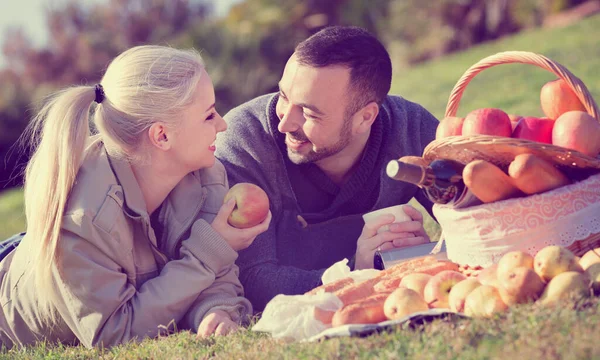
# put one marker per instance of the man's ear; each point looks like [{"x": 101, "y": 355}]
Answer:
[
  {"x": 159, "y": 136},
  {"x": 366, "y": 117}
]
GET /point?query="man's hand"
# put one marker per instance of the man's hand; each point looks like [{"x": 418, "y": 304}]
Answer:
[
  {"x": 409, "y": 233},
  {"x": 217, "y": 322},
  {"x": 400, "y": 234},
  {"x": 238, "y": 239}
]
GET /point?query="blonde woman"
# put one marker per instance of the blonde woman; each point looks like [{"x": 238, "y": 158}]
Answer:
[{"x": 126, "y": 231}]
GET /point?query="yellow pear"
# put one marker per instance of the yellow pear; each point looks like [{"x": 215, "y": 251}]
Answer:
[
  {"x": 514, "y": 259},
  {"x": 402, "y": 302},
  {"x": 484, "y": 301},
  {"x": 415, "y": 281},
  {"x": 459, "y": 292},
  {"x": 553, "y": 260},
  {"x": 589, "y": 258},
  {"x": 564, "y": 285},
  {"x": 489, "y": 276},
  {"x": 520, "y": 285},
  {"x": 593, "y": 274}
]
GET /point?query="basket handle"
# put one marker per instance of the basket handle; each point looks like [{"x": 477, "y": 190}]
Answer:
[{"x": 522, "y": 57}]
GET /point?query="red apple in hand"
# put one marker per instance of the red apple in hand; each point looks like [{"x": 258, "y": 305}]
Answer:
[
  {"x": 487, "y": 122},
  {"x": 438, "y": 288},
  {"x": 557, "y": 98},
  {"x": 449, "y": 126},
  {"x": 251, "y": 205},
  {"x": 534, "y": 129}
]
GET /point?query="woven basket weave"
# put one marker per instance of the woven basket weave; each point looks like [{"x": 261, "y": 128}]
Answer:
[{"x": 502, "y": 150}]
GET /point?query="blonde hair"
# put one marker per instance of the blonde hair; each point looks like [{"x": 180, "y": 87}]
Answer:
[{"x": 143, "y": 85}]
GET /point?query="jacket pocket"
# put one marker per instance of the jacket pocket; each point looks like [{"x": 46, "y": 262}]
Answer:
[{"x": 111, "y": 208}]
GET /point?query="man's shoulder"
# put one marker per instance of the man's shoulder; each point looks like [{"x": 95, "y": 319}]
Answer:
[
  {"x": 255, "y": 108},
  {"x": 248, "y": 131},
  {"x": 398, "y": 103}
]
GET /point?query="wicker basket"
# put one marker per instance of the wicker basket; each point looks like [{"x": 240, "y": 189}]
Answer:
[{"x": 502, "y": 150}]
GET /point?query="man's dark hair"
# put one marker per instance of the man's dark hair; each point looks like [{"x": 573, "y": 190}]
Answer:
[{"x": 353, "y": 47}]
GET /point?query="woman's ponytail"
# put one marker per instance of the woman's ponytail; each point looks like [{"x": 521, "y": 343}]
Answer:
[{"x": 58, "y": 135}]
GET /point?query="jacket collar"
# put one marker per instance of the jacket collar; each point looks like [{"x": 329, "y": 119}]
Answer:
[{"x": 134, "y": 199}]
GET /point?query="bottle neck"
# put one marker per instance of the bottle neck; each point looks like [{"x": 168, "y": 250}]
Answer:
[{"x": 415, "y": 174}]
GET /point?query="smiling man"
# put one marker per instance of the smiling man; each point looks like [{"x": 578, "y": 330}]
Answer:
[{"x": 318, "y": 148}]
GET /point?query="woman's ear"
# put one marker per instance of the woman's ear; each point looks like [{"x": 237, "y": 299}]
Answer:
[
  {"x": 159, "y": 136},
  {"x": 366, "y": 117}
]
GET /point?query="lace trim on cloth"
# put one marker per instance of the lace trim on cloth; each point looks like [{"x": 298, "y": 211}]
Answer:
[{"x": 480, "y": 235}]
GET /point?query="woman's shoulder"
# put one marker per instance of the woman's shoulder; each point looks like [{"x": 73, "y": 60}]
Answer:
[{"x": 94, "y": 182}]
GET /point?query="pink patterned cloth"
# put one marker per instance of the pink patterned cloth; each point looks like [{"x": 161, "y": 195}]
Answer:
[{"x": 480, "y": 235}]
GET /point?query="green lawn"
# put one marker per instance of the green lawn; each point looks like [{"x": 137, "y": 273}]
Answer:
[
  {"x": 514, "y": 88},
  {"x": 12, "y": 214},
  {"x": 570, "y": 331},
  {"x": 526, "y": 332}
]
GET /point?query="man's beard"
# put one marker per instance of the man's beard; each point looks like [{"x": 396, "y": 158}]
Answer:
[{"x": 313, "y": 156}]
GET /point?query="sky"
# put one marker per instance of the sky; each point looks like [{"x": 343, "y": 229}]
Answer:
[{"x": 29, "y": 14}]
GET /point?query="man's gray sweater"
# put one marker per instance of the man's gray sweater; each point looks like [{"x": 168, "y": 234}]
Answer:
[{"x": 315, "y": 223}]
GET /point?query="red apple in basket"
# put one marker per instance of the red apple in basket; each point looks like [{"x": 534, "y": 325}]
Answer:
[
  {"x": 487, "y": 122},
  {"x": 577, "y": 130},
  {"x": 534, "y": 129},
  {"x": 251, "y": 205},
  {"x": 438, "y": 288},
  {"x": 514, "y": 119},
  {"x": 557, "y": 98},
  {"x": 449, "y": 126}
]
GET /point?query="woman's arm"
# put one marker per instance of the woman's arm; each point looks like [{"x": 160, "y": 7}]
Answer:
[
  {"x": 226, "y": 294},
  {"x": 103, "y": 307}
]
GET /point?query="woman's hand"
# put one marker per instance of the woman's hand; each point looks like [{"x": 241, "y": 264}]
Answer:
[
  {"x": 216, "y": 322},
  {"x": 238, "y": 239}
]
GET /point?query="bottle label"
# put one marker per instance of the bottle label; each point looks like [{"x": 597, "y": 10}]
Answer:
[{"x": 467, "y": 199}]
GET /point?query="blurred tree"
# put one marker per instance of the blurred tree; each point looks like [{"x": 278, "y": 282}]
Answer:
[
  {"x": 82, "y": 41},
  {"x": 245, "y": 51},
  {"x": 419, "y": 31}
]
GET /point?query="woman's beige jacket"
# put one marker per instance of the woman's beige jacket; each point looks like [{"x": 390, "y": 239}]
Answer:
[{"x": 117, "y": 281}]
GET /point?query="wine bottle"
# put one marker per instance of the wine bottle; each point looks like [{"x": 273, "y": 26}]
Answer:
[{"x": 441, "y": 181}]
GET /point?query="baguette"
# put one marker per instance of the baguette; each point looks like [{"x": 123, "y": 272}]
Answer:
[
  {"x": 391, "y": 283},
  {"x": 534, "y": 175},
  {"x": 348, "y": 295},
  {"x": 350, "y": 292},
  {"x": 332, "y": 286},
  {"x": 365, "y": 311},
  {"x": 488, "y": 182},
  {"x": 407, "y": 265}
]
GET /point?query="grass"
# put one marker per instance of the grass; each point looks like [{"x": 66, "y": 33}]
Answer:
[
  {"x": 514, "y": 88},
  {"x": 569, "y": 331},
  {"x": 12, "y": 214}
]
